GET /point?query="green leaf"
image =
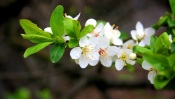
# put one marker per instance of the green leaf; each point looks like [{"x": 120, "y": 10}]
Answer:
[
  {"x": 173, "y": 47},
  {"x": 68, "y": 25},
  {"x": 59, "y": 39},
  {"x": 36, "y": 48},
  {"x": 172, "y": 4},
  {"x": 141, "y": 50},
  {"x": 57, "y": 52},
  {"x": 160, "y": 81},
  {"x": 77, "y": 28},
  {"x": 37, "y": 38},
  {"x": 152, "y": 43},
  {"x": 86, "y": 30},
  {"x": 171, "y": 22},
  {"x": 162, "y": 21},
  {"x": 73, "y": 43},
  {"x": 158, "y": 61},
  {"x": 172, "y": 61},
  {"x": 31, "y": 28},
  {"x": 124, "y": 36},
  {"x": 162, "y": 44},
  {"x": 56, "y": 21}
]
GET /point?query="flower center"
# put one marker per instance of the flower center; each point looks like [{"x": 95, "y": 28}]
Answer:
[
  {"x": 85, "y": 50},
  {"x": 123, "y": 57},
  {"x": 102, "y": 53}
]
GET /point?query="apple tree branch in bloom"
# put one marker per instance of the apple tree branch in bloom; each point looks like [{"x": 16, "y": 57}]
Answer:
[{"x": 100, "y": 42}]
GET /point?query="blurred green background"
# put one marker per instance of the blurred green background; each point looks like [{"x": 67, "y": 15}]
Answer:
[{"x": 37, "y": 78}]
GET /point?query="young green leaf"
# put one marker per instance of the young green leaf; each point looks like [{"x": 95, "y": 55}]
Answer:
[
  {"x": 86, "y": 30},
  {"x": 68, "y": 25},
  {"x": 162, "y": 21},
  {"x": 77, "y": 28},
  {"x": 31, "y": 28},
  {"x": 162, "y": 44},
  {"x": 158, "y": 61},
  {"x": 56, "y": 21},
  {"x": 37, "y": 38},
  {"x": 172, "y": 4},
  {"x": 73, "y": 43},
  {"x": 160, "y": 81},
  {"x": 36, "y": 48},
  {"x": 173, "y": 47},
  {"x": 59, "y": 39},
  {"x": 124, "y": 36},
  {"x": 171, "y": 23},
  {"x": 152, "y": 43},
  {"x": 57, "y": 52},
  {"x": 171, "y": 61},
  {"x": 139, "y": 49}
]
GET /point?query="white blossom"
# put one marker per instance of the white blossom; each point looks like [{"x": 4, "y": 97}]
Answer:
[
  {"x": 112, "y": 34},
  {"x": 98, "y": 31},
  {"x": 141, "y": 35},
  {"x": 152, "y": 73},
  {"x": 86, "y": 53},
  {"x": 123, "y": 59}
]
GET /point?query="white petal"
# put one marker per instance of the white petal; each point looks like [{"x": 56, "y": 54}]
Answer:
[
  {"x": 99, "y": 28},
  {"x": 149, "y": 32},
  {"x": 119, "y": 64},
  {"x": 107, "y": 30},
  {"x": 83, "y": 62},
  {"x": 129, "y": 44},
  {"x": 113, "y": 50},
  {"x": 75, "y": 53},
  {"x": 117, "y": 41},
  {"x": 48, "y": 29},
  {"x": 93, "y": 62},
  {"x": 139, "y": 26},
  {"x": 76, "y": 18},
  {"x": 170, "y": 38},
  {"x": 91, "y": 22},
  {"x": 83, "y": 41},
  {"x": 93, "y": 41},
  {"x": 151, "y": 76},
  {"x": 95, "y": 56},
  {"x": 147, "y": 40},
  {"x": 131, "y": 62},
  {"x": 142, "y": 43},
  {"x": 133, "y": 34},
  {"x": 103, "y": 42},
  {"x": 106, "y": 61},
  {"x": 146, "y": 65}
]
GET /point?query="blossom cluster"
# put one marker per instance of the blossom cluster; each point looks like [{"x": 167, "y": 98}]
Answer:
[{"x": 104, "y": 45}]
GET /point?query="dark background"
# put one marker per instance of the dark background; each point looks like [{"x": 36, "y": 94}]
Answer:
[{"x": 65, "y": 79}]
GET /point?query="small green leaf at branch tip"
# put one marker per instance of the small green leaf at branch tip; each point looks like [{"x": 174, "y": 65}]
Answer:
[
  {"x": 37, "y": 38},
  {"x": 172, "y": 5},
  {"x": 31, "y": 28},
  {"x": 86, "y": 30},
  {"x": 56, "y": 21},
  {"x": 36, "y": 48},
  {"x": 73, "y": 43},
  {"x": 57, "y": 52}
]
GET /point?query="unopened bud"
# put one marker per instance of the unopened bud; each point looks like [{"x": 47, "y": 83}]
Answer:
[
  {"x": 91, "y": 22},
  {"x": 132, "y": 56}
]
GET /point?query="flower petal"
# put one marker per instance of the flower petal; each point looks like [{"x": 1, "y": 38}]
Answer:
[
  {"x": 75, "y": 53},
  {"x": 76, "y": 18},
  {"x": 106, "y": 61},
  {"x": 142, "y": 43},
  {"x": 83, "y": 62},
  {"x": 119, "y": 64},
  {"x": 48, "y": 29},
  {"x": 91, "y": 22},
  {"x": 151, "y": 76},
  {"x": 146, "y": 65},
  {"x": 93, "y": 62},
  {"x": 149, "y": 32},
  {"x": 139, "y": 26},
  {"x": 83, "y": 41},
  {"x": 133, "y": 34},
  {"x": 113, "y": 50},
  {"x": 117, "y": 41}
]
